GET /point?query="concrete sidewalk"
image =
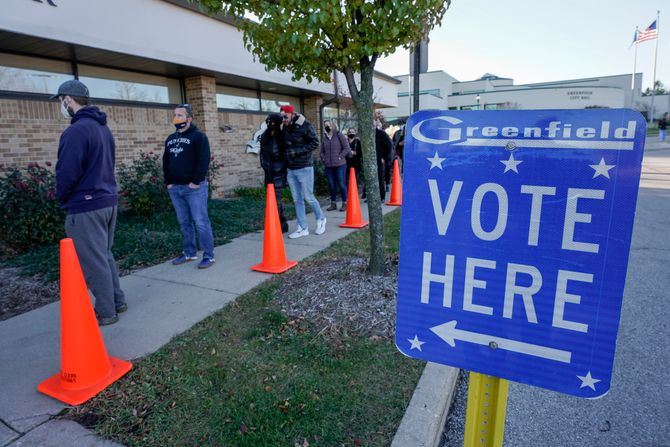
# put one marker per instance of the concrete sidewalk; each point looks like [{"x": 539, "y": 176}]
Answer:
[{"x": 163, "y": 301}]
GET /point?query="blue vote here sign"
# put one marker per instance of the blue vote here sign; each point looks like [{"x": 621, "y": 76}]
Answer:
[{"x": 514, "y": 242}]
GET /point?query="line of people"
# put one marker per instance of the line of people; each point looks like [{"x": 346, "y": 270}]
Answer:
[
  {"x": 286, "y": 157},
  {"x": 86, "y": 189},
  {"x": 86, "y": 186}
]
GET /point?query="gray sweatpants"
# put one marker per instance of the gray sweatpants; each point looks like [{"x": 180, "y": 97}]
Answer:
[{"x": 93, "y": 236}]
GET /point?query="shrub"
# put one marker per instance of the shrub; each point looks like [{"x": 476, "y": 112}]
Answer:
[
  {"x": 29, "y": 215},
  {"x": 141, "y": 183},
  {"x": 215, "y": 171},
  {"x": 320, "y": 180},
  {"x": 258, "y": 193}
]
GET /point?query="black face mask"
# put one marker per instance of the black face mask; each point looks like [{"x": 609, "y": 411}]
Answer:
[{"x": 327, "y": 128}]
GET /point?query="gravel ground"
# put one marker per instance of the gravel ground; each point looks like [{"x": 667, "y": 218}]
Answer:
[
  {"x": 340, "y": 297},
  {"x": 454, "y": 427},
  {"x": 19, "y": 294}
]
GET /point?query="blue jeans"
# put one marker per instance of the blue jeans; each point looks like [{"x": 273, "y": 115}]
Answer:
[
  {"x": 301, "y": 182},
  {"x": 190, "y": 204},
  {"x": 337, "y": 178},
  {"x": 662, "y": 134}
]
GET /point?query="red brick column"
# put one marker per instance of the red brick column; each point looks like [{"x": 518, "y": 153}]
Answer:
[
  {"x": 311, "y": 112},
  {"x": 201, "y": 95}
]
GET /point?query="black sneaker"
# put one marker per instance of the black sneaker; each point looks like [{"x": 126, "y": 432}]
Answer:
[
  {"x": 181, "y": 259},
  {"x": 104, "y": 321},
  {"x": 121, "y": 308},
  {"x": 206, "y": 263}
]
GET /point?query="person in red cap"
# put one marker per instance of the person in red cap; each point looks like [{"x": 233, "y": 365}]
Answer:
[{"x": 301, "y": 141}]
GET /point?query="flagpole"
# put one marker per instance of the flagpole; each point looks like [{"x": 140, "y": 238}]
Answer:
[
  {"x": 632, "y": 81},
  {"x": 653, "y": 85}
]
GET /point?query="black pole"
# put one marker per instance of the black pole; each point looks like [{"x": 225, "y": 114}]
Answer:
[{"x": 416, "y": 73}]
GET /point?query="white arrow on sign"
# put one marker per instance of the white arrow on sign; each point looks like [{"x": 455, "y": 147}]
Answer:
[{"x": 450, "y": 334}]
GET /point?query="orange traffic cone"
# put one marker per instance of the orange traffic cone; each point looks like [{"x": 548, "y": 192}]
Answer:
[
  {"x": 274, "y": 256},
  {"x": 86, "y": 369},
  {"x": 396, "y": 186},
  {"x": 354, "y": 219}
]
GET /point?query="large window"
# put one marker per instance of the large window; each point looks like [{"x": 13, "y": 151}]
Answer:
[
  {"x": 32, "y": 75},
  {"x": 128, "y": 86},
  {"x": 434, "y": 92},
  {"x": 345, "y": 118},
  {"x": 236, "y": 98},
  {"x": 348, "y": 119},
  {"x": 271, "y": 102}
]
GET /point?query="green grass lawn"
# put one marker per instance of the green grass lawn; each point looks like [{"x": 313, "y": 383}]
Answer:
[
  {"x": 247, "y": 376},
  {"x": 141, "y": 242}
]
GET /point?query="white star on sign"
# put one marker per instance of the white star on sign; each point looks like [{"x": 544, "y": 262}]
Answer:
[
  {"x": 601, "y": 169},
  {"x": 416, "y": 344},
  {"x": 589, "y": 381},
  {"x": 435, "y": 161},
  {"x": 511, "y": 164}
]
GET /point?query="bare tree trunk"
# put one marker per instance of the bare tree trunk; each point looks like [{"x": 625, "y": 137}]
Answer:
[{"x": 363, "y": 101}]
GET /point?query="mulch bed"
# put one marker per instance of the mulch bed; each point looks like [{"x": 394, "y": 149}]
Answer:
[
  {"x": 340, "y": 297},
  {"x": 335, "y": 294},
  {"x": 20, "y": 294}
]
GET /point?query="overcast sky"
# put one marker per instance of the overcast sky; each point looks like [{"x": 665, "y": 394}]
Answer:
[{"x": 537, "y": 41}]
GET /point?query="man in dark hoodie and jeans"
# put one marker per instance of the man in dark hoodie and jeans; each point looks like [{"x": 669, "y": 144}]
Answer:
[
  {"x": 185, "y": 164},
  {"x": 86, "y": 189}
]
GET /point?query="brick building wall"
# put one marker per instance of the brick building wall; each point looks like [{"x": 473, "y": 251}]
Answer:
[
  {"x": 30, "y": 130},
  {"x": 240, "y": 168}
]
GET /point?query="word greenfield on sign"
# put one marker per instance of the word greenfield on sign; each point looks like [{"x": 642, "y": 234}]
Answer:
[{"x": 514, "y": 242}]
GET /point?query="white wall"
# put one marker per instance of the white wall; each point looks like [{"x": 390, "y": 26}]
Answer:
[
  {"x": 623, "y": 82},
  {"x": 153, "y": 29},
  {"x": 425, "y": 102},
  {"x": 661, "y": 104},
  {"x": 429, "y": 81},
  {"x": 547, "y": 98}
]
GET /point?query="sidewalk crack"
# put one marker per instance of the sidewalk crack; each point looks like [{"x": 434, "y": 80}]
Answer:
[{"x": 186, "y": 284}]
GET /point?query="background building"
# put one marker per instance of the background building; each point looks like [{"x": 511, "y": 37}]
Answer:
[
  {"x": 439, "y": 90},
  {"x": 139, "y": 59}
]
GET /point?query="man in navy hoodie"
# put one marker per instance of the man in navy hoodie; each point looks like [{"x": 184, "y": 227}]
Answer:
[
  {"x": 185, "y": 165},
  {"x": 86, "y": 189}
]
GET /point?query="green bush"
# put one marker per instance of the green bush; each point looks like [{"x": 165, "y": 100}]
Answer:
[
  {"x": 141, "y": 183},
  {"x": 29, "y": 215},
  {"x": 258, "y": 193},
  {"x": 215, "y": 171},
  {"x": 320, "y": 181},
  {"x": 248, "y": 192}
]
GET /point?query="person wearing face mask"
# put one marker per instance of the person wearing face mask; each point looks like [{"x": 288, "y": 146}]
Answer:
[
  {"x": 86, "y": 190},
  {"x": 384, "y": 149},
  {"x": 273, "y": 161},
  {"x": 185, "y": 165},
  {"x": 334, "y": 152},
  {"x": 301, "y": 141},
  {"x": 354, "y": 161}
]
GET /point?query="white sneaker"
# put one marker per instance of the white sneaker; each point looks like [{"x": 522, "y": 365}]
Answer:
[
  {"x": 320, "y": 226},
  {"x": 300, "y": 232}
]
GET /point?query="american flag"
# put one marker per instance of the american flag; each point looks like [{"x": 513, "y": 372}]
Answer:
[{"x": 648, "y": 34}]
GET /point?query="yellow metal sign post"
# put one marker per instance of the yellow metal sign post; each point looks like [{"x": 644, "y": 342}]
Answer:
[{"x": 485, "y": 414}]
